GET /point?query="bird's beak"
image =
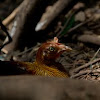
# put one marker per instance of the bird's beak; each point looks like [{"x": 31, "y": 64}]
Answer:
[
  {"x": 64, "y": 48},
  {"x": 68, "y": 48}
]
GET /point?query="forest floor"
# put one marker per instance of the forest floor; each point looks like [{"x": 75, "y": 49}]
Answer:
[{"x": 83, "y": 51}]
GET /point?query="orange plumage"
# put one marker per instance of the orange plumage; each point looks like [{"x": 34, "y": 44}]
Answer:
[{"x": 45, "y": 64}]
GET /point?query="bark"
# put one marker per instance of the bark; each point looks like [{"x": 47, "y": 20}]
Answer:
[
  {"x": 94, "y": 39},
  {"x": 51, "y": 13},
  {"x": 47, "y": 88},
  {"x": 27, "y": 18}
]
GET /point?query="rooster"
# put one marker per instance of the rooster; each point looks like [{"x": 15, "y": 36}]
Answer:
[{"x": 45, "y": 63}]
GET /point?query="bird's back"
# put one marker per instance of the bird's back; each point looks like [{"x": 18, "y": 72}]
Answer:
[{"x": 44, "y": 70}]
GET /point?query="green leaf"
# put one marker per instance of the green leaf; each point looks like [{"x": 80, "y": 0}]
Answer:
[{"x": 69, "y": 25}]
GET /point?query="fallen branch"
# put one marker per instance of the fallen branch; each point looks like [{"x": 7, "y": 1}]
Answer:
[
  {"x": 76, "y": 70},
  {"x": 80, "y": 73},
  {"x": 95, "y": 39},
  {"x": 27, "y": 18},
  {"x": 85, "y": 72},
  {"x": 51, "y": 14}
]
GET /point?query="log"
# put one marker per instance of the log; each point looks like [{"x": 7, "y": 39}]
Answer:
[
  {"x": 51, "y": 13},
  {"x": 47, "y": 88},
  {"x": 94, "y": 39},
  {"x": 26, "y": 20}
]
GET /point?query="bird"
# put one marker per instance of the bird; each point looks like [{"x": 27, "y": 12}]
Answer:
[{"x": 45, "y": 63}]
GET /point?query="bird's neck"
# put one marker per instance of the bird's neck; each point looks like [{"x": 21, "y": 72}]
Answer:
[
  {"x": 51, "y": 63},
  {"x": 40, "y": 59}
]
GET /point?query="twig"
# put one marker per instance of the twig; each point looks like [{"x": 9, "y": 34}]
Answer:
[
  {"x": 69, "y": 17},
  {"x": 85, "y": 72},
  {"x": 32, "y": 48},
  {"x": 92, "y": 60},
  {"x": 77, "y": 26},
  {"x": 80, "y": 74},
  {"x": 95, "y": 54},
  {"x": 86, "y": 65}
]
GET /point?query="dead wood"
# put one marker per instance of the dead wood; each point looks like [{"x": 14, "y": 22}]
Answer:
[
  {"x": 76, "y": 70},
  {"x": 81, "y": 73},
  {"x": 11, "y": 17},
  {"x": 51, "y": 13},
  {"x": 86, "y": 72},
  {"x": 46, "y": 88},
  {"x": 69, "y": 16},
  {"x": 26, "y": 20},
  {"x": 94, "y": 39}
]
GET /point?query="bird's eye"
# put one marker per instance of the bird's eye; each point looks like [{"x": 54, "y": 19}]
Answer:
[{"x": 51, "y": 48}]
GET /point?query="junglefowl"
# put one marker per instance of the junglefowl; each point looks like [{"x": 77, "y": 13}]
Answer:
[{"x": 45, "y": 63}]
